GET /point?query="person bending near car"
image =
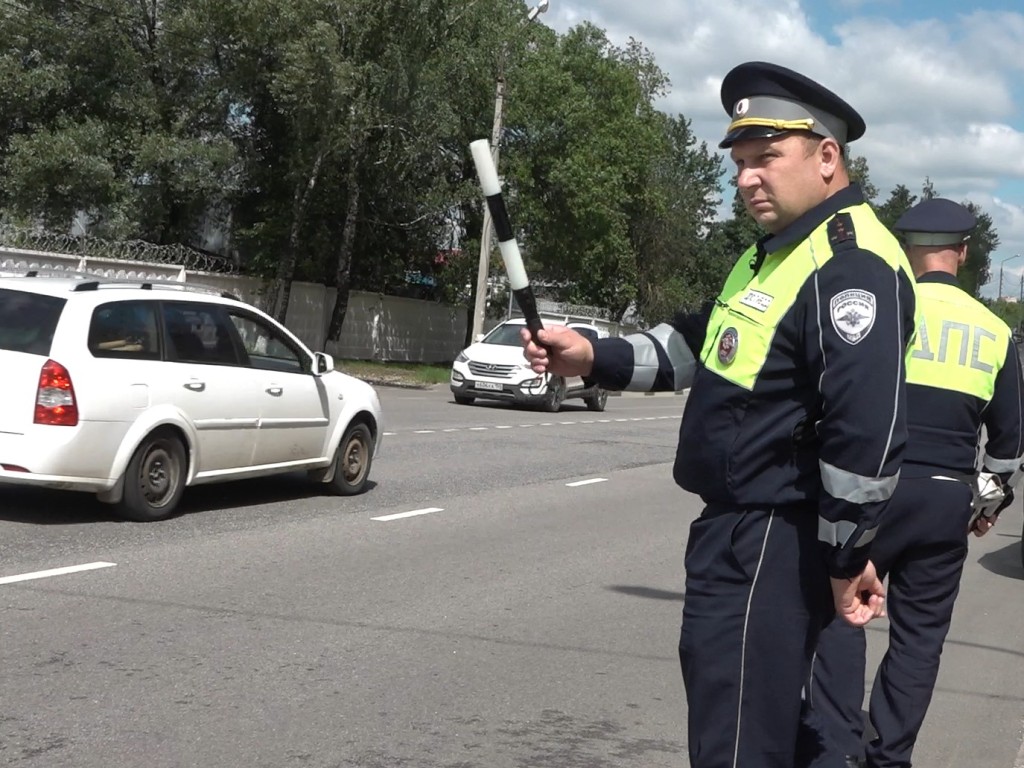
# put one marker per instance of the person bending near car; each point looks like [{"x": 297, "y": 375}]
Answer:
[
  {"x": 794, "y": 428},
  {"x": 962, "y": 373}
]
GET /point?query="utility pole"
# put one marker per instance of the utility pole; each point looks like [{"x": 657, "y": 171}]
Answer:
[
  {"x": 484, "y": 264},
  {"x": 1001, "y": 263}
]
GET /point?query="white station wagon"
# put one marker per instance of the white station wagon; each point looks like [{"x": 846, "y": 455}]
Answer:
[{"x": 133, "y": 391}]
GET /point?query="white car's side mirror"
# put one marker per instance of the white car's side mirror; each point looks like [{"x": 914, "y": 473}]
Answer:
[
  {"x": 324, "y": 363},
  {"x": 479, "y": 337}
]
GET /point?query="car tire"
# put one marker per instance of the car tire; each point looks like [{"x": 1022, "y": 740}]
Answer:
[
  {"x": 464, "y": 399},
  {"x": 155, "y": 479},
  {"x": 556, "y": 394},
  {"x": 598, "y": 400},
  {"x": 352, "y": 461}
]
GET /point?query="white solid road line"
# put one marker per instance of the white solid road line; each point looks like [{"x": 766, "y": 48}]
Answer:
[
  {"x": 578, "y": 483},
  {"x": 400, "y": 515},
  {"x": 55, "y": 572}
]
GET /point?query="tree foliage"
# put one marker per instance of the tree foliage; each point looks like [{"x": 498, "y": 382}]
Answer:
[
  {"x": 328, "y": 141},
  {"x": 984, "y": 240}
]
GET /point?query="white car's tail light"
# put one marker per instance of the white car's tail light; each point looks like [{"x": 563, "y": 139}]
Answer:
[{"x": 55, "y": 397}]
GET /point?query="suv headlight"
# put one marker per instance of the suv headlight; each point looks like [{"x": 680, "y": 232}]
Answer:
[{"x": 462, "y": 358}]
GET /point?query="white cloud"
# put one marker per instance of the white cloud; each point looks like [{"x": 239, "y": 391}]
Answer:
[{"x": 937, "y": 96}]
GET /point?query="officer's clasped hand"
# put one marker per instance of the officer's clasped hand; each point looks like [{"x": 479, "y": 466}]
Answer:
[
  {"x": 860, "y": 599},
  {"x": 983, "y": 525}
]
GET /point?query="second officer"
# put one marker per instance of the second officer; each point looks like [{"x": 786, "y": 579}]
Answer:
[{"x": 962, "y": 373}]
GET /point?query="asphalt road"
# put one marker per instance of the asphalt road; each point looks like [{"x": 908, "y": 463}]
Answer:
[{"x": 527, "y": 620}]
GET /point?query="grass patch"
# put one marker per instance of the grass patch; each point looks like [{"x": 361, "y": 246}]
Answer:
[{"x": 407, "y": 374}]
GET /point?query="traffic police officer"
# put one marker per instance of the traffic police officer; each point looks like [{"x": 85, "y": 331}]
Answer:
[
  {"x": 962, "y": 372},
  {"x": 794, "y": 427}
]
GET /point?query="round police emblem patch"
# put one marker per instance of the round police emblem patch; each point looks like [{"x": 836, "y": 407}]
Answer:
[
  {"x": 741, "y": 108},
  {"x": 727, "y": 344},
  {"x": 853, "y": 314}
]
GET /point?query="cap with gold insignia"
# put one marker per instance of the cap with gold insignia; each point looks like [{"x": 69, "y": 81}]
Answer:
[
  {"x": 766, "y": 100},
  {"x": 937, "y": 221}
]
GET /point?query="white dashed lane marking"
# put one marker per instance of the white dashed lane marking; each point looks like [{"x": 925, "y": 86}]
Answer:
[
  {"x": 413, "y": 513},
  {"x": 55, "y": 572},
  {"x": 449, "y": 430}
]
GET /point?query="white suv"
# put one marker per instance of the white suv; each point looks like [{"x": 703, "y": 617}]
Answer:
[
  {"x": 133, "y": 391},
  {"x": 494, "y": 369}
]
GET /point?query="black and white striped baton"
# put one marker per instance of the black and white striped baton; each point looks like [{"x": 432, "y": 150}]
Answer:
[{"x": 519, "y": 282}]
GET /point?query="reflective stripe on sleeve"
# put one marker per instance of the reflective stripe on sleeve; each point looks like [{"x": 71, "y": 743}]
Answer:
[
  {"x": 683, "y": 363},
  {"x": 645, "y": 358},
  {"x": 856, "y": 489},
  {"x": 838, "y": 533},
  {"x": 1003, "y": 465},
  {"x": 645, "y": 362}
]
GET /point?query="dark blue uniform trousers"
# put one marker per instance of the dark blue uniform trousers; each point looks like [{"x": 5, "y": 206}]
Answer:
[
  {"x": 921, "y": 545},
  {"x": 757, "y": 596}
]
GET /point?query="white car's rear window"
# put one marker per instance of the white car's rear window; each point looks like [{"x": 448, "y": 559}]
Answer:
[{"x": 28, "y": 320}]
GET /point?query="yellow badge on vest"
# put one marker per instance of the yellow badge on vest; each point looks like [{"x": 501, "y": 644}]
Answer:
[{"x": 853, "y": 315}]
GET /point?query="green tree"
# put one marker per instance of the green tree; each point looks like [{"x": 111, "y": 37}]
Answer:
[
  {"x": 983, "y": 243},
  {"x": 1010, "y": 312},
  {"x": 675, "y": 269},
  {"x": 899, "y": 202},
  {"x": 857, "y": 167},
  {"x": 118, "y": 116},
  {"x": 581, "y": 144}
]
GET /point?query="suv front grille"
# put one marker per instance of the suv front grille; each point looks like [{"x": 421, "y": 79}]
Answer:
[{"x": 493, "y": 370}]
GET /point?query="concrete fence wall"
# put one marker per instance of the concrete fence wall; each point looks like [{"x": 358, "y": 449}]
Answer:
[
  {"x": 377, "y": 327},
  {"x": 387, "y": 328}
]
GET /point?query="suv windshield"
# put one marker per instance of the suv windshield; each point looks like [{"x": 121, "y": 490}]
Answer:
[
  {"x": 506, "y": 335},
  {"x": 28, "y": 320}
]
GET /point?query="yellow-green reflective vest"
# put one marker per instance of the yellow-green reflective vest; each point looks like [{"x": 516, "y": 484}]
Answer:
[
  {"x": 960, "y": 344},
  {"x": 751, "y": 306}
]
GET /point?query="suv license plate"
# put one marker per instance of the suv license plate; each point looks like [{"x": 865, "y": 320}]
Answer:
[{"x": 488, "y": 385}]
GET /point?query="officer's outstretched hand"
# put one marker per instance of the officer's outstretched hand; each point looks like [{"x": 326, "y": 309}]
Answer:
[
  {"x": 860, "y": 599},
  {"x": 568, "y": 353}
]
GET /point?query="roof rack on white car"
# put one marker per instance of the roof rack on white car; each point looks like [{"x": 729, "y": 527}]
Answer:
[
  {"x": 68, "y": 274},
  {"x": 148, "y": 285}
]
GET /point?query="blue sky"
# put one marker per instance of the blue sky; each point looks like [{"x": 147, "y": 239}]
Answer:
[{"x": 938, "y": 83}]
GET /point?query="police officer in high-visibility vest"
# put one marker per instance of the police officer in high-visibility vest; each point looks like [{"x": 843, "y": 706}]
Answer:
[
  {"x": 794, "y": 427},
  {"x": 962, "y": 373}
]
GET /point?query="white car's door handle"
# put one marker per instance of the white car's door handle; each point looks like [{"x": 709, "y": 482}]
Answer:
[
  {"x": 275, "y": 391},
  {"x": 195, "y": 385}
]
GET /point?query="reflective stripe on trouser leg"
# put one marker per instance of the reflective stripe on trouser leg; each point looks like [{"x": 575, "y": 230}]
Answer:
[{"x": 756, "y": 596}]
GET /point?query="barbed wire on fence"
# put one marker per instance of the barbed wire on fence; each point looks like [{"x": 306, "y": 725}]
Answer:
[{"x": 120, "y": 250}]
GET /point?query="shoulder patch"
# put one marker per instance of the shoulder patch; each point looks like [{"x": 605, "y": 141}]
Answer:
[
  {"x": 841, "y": 234},
  {"x": 853, "y": 314}
]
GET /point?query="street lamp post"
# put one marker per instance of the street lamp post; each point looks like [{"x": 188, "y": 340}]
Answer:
[
  {"x": 483, "y": 266},
  {"x": 1008, "y": 258}
]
